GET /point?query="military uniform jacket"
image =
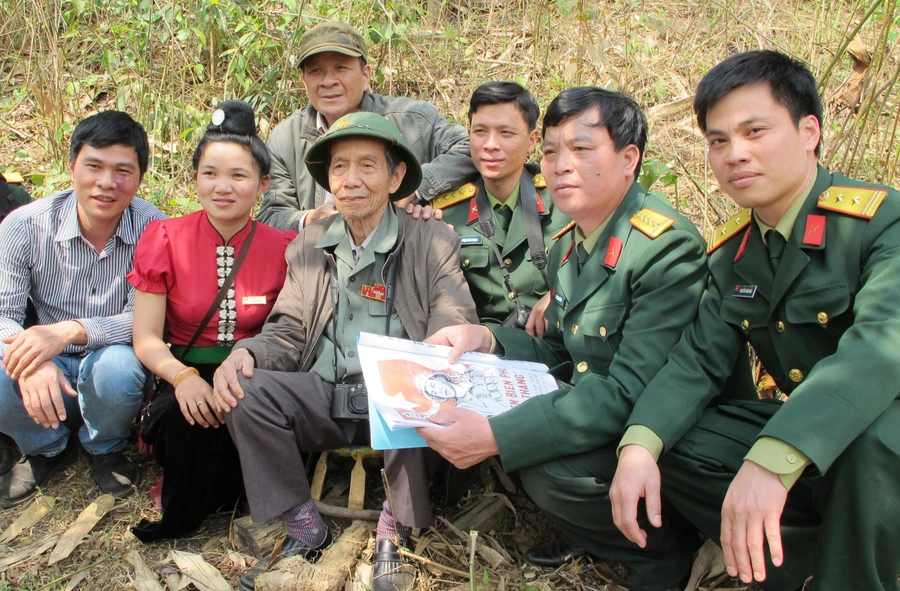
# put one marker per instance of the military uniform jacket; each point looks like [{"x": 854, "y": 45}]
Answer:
[
  {"x": 440, "y": 146},
  {"x": 477, "y": 258},
  {"x": 826, "y": 326},
  {"x": 615, "y": 321}
]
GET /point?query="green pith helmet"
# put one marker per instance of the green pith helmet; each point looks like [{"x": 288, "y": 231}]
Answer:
[
  {"x": 371, "y": 125},
  {"x": 332, "y": 36}
]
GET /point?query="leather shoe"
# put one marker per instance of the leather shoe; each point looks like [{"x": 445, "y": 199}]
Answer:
[
  {"x": 21, "y": 483},
  {"x": 290, "y": 548},
  {"x": 115, "y": 473},
  {"x": 9, "y": 454},
  {"x": 553, "y": 555},
  {"x": 391, "y": 572}
]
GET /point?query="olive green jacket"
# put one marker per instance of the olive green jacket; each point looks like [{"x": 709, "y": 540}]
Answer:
[
  {"x": 431, "y": 292},
  {"x": 615, "y": 321},
  {"x": 440, "y": 146},
  {"x": 826, "y": 326},
  {"x": 479, "y": 263}
]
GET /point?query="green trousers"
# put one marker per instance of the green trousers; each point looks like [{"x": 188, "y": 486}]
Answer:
[
  {"x": 843, "y": 528},
  {"x": 574, "y": 492}
]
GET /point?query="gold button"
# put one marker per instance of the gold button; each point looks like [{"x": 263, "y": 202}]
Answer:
[
  {"x": 745, "y": 324},
  {"x": 796, "y": 375},
  {"x": 574, "y": 329},
  {"x": 602, "y": 331},
  {"x": 780, "y": 326},
  {"x": 582, "y": 367},
  {"x": 791, "y": 458},
  {"x": 822, "y": 317},
  {"x": 512, "y": 296},
  {"x": 465, "y": 262},
  {"x": 557, "y": 324},
  {"x": 507, "y": 262}
]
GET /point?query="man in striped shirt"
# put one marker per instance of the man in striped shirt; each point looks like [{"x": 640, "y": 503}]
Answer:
[{"x": 75, "y": 369}]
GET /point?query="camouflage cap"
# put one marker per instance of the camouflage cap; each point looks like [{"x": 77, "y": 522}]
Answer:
[
  {"x": 332, "y": 36},
  {"x": 364, "y": 124}
]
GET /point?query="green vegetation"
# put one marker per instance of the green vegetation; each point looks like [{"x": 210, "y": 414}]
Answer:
[{"x": 169, "y": 62}]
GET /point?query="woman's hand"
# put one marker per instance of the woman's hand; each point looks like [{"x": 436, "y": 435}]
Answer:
[{"x": 195, "y": 398}]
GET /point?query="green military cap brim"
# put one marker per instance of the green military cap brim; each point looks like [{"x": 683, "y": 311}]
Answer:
[{"x": 369, "y": 125}]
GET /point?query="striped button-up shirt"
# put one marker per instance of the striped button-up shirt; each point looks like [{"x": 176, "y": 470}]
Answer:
[{"x": 44, "y": 255}]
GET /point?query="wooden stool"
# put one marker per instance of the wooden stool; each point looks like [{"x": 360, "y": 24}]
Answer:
[{"x": 357, "y": 476}]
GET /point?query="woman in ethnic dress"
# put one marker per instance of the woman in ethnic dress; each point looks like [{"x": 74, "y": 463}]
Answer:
[{"x": 180, "y": 266}]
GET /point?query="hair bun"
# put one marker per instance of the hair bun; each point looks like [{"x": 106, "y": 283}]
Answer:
[{"x": 235, "y": 117}]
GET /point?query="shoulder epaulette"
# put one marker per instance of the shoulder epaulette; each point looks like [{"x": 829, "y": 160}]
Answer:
[
  {"x": 453, "y": 197},
  {"x": 856, "y": 201},
  {"x": 728, "y": 230},
  {"x": 13, "y": 178},
  {"x": 651, "y": 223},
  {"x": 539, "y": 181},
  {"x": 564, "y": 231}
]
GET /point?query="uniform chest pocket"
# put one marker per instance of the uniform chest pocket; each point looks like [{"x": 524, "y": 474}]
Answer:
[
  {"x": 378, "y": 308},
  {"x": 744, "y": 314},
  {"x": 817, "y": 306},
  {"x": 601, "y": 328},
  {"x": 473, "y": 257}
]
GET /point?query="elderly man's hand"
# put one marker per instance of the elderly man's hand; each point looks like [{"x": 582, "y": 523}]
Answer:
[
  {"x": 42, "y": 395},
  {"x": 637, "y": 477},
  {"x": 537, "y": 324},
  {"x": 426, "y": 212},
  {"x": 225, "y": 382},
  {"x": 31, "y": 348},
  {"x": 323, "y": 211},
  {"x": 465, "y": 440},
  {"x": 751, "y": 516},
  {"x": 462, "y": 338}
]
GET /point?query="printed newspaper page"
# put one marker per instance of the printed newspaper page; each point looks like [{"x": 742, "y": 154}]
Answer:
[{"x": 408, "y": 382}]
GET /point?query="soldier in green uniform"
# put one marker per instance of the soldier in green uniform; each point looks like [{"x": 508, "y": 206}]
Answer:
[
  {"x": 624, "y": 284},
  {"x": 12, "y": 195},
  {"x": 808, "y": 274},
  {"x": 503, "y": 256}
]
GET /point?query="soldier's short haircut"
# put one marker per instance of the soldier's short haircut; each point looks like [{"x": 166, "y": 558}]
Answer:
[
  {"x": 620, "y": 115},
  {"x": 498, "y": 93},
  {"x": 793, "y": 85},
  {"x": 109, "y": 128}
]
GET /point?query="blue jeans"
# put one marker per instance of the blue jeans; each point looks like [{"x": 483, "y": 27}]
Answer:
[{"x": 110, "y": 383}]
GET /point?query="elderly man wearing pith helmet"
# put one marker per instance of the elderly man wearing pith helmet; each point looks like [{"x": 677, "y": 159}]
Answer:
[
  {"x": 335, "y": 70},
  {"x": 294, "y": 387}
]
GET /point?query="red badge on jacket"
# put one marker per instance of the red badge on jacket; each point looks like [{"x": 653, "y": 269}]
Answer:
[
  {"x": 815, "y": 230},
  {"x": 374, "y": 292},
  {"x": 473, "y": 211},
  {"x": 612, "y": 252}
]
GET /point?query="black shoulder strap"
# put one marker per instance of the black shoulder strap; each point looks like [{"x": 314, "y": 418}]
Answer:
[
  {"x": 533, "y": 231},
  {"x": 226, "y": 285},
  {"x": 6, "y": 201}
]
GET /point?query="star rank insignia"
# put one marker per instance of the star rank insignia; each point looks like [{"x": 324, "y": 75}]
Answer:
[
  {"x": 728, "y": 230},
  {"x": 814, "y": 235},
  {"x": 856, "y": 201},
  {"x": 651, "y": 223}
]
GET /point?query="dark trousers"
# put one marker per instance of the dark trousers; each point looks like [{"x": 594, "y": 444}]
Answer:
[
  {"x": 201, "y": 468},
  {"x": 574, "y": 492},
  {"x": 843, "y": 528},
  {"x": 284, "y": 414}
]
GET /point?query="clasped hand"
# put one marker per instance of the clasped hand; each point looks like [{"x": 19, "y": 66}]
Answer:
[{"x": 227, "y": 388}]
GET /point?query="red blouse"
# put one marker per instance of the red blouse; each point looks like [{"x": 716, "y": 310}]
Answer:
[{"x": 187, "y": 259}]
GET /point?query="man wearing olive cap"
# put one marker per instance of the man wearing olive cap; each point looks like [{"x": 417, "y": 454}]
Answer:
[
  {"x": 336, "y": 73},
  {"x": 282, "y": 389}
]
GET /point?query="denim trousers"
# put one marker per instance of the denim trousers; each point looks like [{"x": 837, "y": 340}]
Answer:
[{"x": 110, "y": 383}]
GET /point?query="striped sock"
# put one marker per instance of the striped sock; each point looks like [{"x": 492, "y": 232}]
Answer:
[
  {"x": 388, "y": 528},
  {"x": 304, "y": 523}
]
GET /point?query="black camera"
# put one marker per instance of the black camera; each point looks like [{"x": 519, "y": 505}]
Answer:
[
  {"x": 350, "y": 402},
  {"x": 518, "y": 318}
]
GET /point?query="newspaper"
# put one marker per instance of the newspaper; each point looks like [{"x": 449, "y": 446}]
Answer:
[{"x": 408, "y": 381}]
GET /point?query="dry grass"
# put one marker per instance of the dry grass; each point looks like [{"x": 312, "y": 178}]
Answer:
[{"x": 61, "y": 60}]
